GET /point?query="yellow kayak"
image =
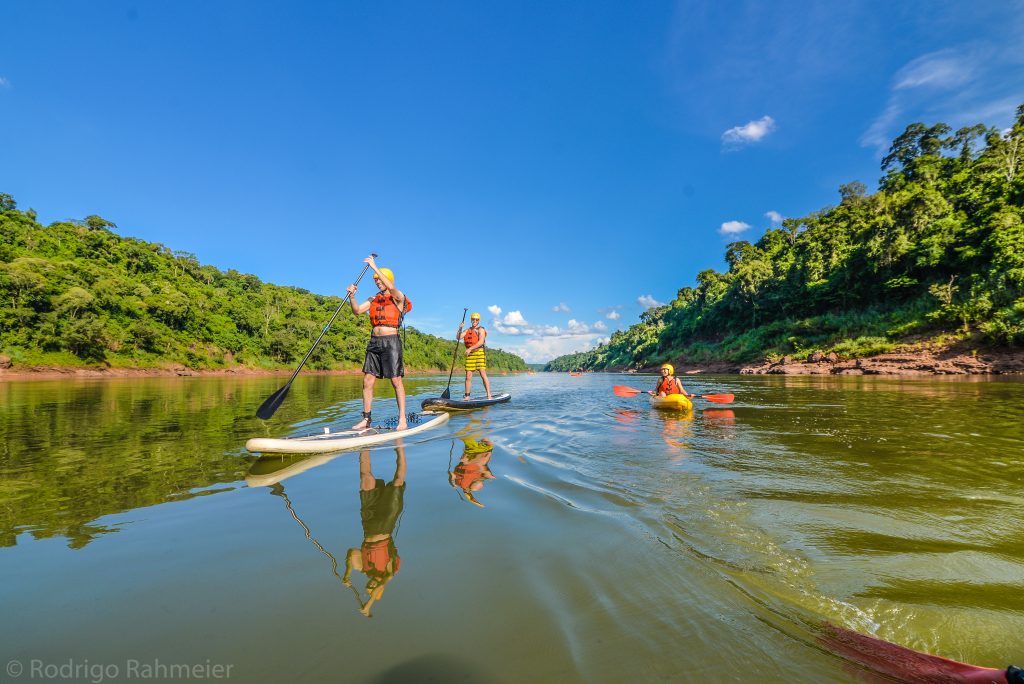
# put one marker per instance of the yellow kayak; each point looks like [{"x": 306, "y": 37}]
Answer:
[{"x": 677, "y": 402}]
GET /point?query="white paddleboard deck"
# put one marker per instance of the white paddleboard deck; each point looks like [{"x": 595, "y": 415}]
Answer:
[{"x": 340, "y": 441}]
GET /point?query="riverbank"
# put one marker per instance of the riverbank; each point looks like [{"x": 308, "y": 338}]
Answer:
[
  {"x": 83, "y": 372},
  {"x": 923, "y": 358}
]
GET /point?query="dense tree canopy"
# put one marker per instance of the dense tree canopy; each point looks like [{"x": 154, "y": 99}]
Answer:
[
  {"x": 74, "y": 293},
  {"x": 938, "y": 249}
]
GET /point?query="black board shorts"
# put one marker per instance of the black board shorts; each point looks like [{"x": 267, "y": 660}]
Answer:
[
  {"x": 384, "y": 357},
  {"x": 380, "y": 507}
]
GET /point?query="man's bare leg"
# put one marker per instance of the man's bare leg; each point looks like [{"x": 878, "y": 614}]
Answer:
[
  {"x": 396, "y": 382},
  {"x": 487, "y": 383},
  {"x": 368, "y": 380}
]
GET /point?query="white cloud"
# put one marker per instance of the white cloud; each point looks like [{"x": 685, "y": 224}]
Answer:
[
  {"x": 561, "y": 307},
  {"x": 774, "y": 216},
  {"x": 648, "y": 302},
  {"x": 542, "y": 349},
  {"x": 964, "y": 85},
  {"x": 613, "y": 315},
  {"x": 494, "y": 309},
  {"x": 942, "y": 69},
  {"x": 751, "y": 132},
  {"x": 578, "y": 327},
  {"x": 599, "y": 325},
  {"x": 733, "y": 227},
  {"x": 4, "y": 83},
  {"x": 514, "y": 318}
]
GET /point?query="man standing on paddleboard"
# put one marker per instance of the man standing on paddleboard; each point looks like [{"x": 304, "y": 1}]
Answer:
[
  {"x": 384, "y": 352},
  {"x": 476, "y": 358}
]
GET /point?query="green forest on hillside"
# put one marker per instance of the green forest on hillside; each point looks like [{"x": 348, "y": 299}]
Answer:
[
  {"x": 75, "y": 293},
  {"x": 938, "y": 249}
]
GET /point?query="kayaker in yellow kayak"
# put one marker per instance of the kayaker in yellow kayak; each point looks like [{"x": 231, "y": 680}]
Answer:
[
  {"x": 476, "y": 358},
  {"x": 669, "y": 383}
]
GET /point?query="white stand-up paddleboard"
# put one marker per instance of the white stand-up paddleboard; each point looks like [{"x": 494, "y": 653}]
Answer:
[{"x": 349, "y": 439}]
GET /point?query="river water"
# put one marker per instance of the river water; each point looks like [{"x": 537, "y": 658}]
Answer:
[{"x": 570, "y": 535}]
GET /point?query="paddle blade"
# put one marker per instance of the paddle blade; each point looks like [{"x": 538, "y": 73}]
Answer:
[
  {"x": 270, "y": 406},
  {"x": 902, "y": 663},
  {"x": 447, "y": 394},
  {"x": 623, "y": 391},
  {"x": 719, "y": 398}
]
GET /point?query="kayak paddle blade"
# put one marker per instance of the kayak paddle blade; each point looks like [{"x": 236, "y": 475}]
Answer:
[
  {"x": 623, "y": 391},
  {"x": 270, "y": 406},
  {"x": 719, "y": 398}
]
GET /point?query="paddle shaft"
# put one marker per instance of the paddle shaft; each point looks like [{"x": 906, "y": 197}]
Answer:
[
  {"x": 455, "y": 354},
  {"x": 269, "y": 407}
]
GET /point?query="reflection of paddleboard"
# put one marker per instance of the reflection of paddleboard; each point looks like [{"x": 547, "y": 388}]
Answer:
[
  {"x": 679, "y": 402},
  {"x": 464, "y": 404},
  {"x": 269, "y": 471},
  {"x": 339, "y": 441}
]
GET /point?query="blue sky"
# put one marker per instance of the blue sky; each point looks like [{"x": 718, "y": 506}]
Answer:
[{"x": 557, "y": 166}]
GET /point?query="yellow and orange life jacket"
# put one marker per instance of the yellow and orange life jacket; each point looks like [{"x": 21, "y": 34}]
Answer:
[{"x": 384, "y": 311}]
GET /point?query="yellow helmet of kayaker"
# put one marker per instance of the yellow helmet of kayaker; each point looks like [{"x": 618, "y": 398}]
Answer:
[
  {"x": 388, "y": 273},
  {"x": 474, "y": 316},
  {"x": 671, "y": 368}
]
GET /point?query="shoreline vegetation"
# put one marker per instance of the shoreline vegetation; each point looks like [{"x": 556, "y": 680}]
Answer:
[
  {"x": 83, "y": 372},
  {"x": 78, "y": 299},
  {"x": 925, "y": 276}
]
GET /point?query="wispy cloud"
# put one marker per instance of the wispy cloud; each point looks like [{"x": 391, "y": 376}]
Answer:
[
  {"x": 613, "y": 315},
  {"x": 577, "y": 327},
  {"x": 960, "y": 86},
  {"x": 734, "y": 227},
  {"x": 648, "y": 302},
  {"x": 942, "y": 69},
  {"x": 4, "y": 83},
  {"x": 562, "y": 306},
  {"x": 774, "y": 216},
  {"x": 494, "y": 309},
  {"x": 600, "y": 326},
  {"x": 751, "y": 132}
]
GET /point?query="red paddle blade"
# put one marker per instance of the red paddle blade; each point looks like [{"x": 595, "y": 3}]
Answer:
[
  {"x": 623, "y": 391},
  {"x": 719, "y": 398},
  {"x": 902, "y": 663}
]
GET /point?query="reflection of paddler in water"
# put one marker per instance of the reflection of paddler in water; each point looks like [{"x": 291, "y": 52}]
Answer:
[
  {"x": 677, "y": 430},
  {"x": 473, "y": 469},
  {"x": 380, "y": 506}
]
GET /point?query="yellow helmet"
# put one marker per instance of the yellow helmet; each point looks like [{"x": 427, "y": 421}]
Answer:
[
  {"x": 671, "y": 368},
  {"x": 389, "y": 273},
  {"x": 474, "y": 315}
]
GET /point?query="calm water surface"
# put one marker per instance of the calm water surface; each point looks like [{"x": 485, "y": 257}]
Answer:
[{"x": 596, "y": 539}]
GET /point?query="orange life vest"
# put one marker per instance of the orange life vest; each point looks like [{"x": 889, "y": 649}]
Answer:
[
  {"x": 376, "y": 556},
  {"x": 384, "y": 311},
  {"x": 669, "y": 385},
  {"x": 471, "y": 337},
  {"x": 468, "y": 473}
]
